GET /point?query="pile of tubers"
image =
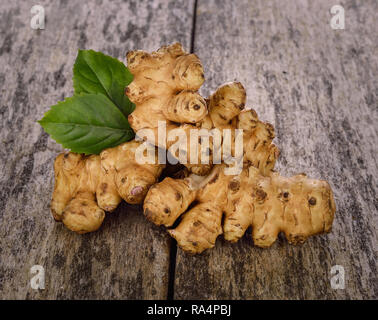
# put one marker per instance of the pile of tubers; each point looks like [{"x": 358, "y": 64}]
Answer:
[{"x": 205, "y": 202}]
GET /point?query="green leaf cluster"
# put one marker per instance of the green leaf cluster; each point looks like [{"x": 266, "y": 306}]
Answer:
[{"x": 95, "y": 118}]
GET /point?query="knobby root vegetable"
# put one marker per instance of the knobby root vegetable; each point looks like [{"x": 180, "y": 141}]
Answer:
[
  {"x": 206, "y": 203},
  {"x": 87, "y": 186},
  {"x": 165, "y": 89},
  {"x": 219, "y": 203},
  {"x": 226, "y": 111}
]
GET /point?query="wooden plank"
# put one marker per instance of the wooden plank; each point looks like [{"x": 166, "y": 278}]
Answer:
[
  {"x": 318, "y": 87},
  {"x": 128, "y": 258}
]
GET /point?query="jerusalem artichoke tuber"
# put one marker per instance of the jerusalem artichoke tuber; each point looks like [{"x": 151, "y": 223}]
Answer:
[
  {"x": 298, "y": 206},
  {"x": 165, "y": 89},
  {"x": 86, "y": 186}
]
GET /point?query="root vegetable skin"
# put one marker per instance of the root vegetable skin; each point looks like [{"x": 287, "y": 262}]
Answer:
[
  {"x": 87, "y": 186},
  {"x": 227, "y": 111},
  {"x": 298, "y": 206},
  {"x": 208, "y": 202},
  {"x": 165, "y": 89}
]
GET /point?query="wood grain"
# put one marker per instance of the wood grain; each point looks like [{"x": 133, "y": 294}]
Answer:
[
  {"x": 128, "y": 258},
  {"x": 318, "y": 87}
]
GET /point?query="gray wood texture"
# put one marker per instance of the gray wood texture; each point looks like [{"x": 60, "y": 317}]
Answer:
[
  {"x": 128, "y": 258},
  {"x": 316, "y": 85}
]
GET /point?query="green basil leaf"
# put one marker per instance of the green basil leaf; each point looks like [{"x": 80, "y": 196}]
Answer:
[
  {"x": 87, "y": 123},
  {"x": 95, "y": 72}
]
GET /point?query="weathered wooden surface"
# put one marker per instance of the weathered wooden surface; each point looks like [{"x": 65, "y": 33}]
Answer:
[
  {"x": 128, "y": 258},
  {"x": 318, "y": 87}
]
